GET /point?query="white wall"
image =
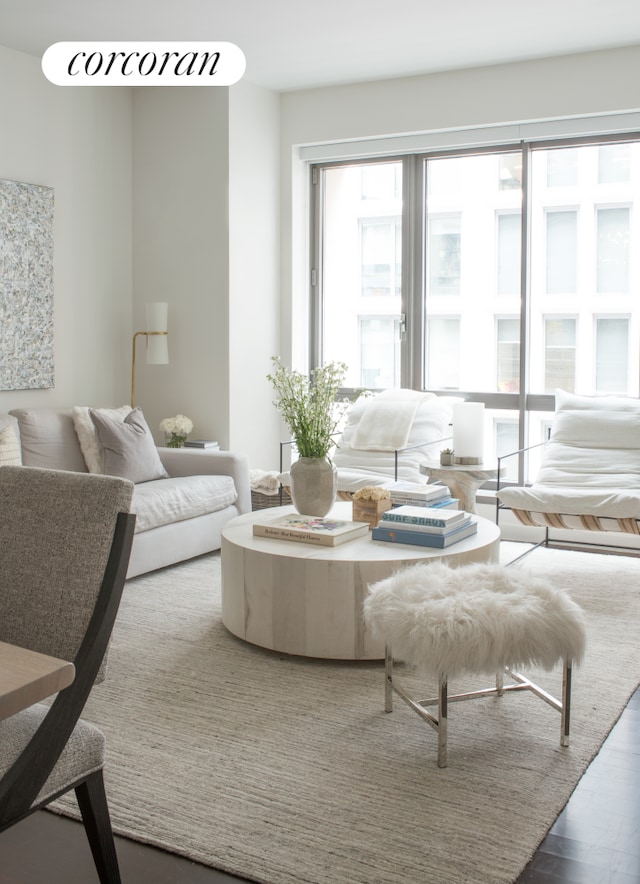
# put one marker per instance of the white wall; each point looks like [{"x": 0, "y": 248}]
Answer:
[
  {"x": 181, "y": 252},
  {"x": 77, "y": 141},
  {"x": 143, "y": 212},
  {"x": 254, "y": 294},
  {"x": 206, "y": 219}
]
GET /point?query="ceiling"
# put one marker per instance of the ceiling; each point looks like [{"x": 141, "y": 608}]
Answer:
[{"x": 298, "y": 44}]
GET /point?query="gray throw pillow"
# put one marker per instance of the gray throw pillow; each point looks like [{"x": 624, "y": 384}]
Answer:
[{"x": 128, "y": 449}]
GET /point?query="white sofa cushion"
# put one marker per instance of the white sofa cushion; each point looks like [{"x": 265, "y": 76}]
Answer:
[
  {"x": 594, "y": 443},
  {"x": 48, "y": 439},
  {"x": 591, "y": 464},
  {"x": 163, "y": 501}
]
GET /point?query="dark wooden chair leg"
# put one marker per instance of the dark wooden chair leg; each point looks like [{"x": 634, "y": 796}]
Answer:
[{"x": 92, "y": 800}]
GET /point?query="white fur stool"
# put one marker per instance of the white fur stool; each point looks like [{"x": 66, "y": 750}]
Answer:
[{"x": 479, "y": 618}]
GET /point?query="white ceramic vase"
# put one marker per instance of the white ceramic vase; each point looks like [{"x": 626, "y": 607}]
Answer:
[{"x": 314, "y": 485}]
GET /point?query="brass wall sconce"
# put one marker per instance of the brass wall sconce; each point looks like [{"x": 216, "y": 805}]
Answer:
[{"x": 157, "y": 351}]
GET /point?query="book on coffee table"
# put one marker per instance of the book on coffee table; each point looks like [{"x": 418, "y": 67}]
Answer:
[
  {"x": 421, "y": 515},
  {"x": 413, "y": 493},
  {"x": 310, "y": 529},
  {"x": 427, "y": 526},
  {"x": 423, "y": 538}
]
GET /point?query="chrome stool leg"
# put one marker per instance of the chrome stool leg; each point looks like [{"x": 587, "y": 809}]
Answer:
[
  {"x": 388, "y": 679},
  {"x": 442, "y": 722},
  {"x": 565, "y": 712}
]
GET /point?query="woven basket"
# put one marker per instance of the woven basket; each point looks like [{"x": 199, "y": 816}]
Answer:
[{"x": 261, "y": 501}]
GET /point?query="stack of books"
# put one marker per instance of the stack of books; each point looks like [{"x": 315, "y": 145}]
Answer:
[
  {"x": 310, "y": 529},
  {"x": 421, "y": 495},
  {"x": 424, "y": 526}
]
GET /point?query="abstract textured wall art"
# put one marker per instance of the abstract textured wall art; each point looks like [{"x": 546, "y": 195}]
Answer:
[{"x": 26, "y": 286}]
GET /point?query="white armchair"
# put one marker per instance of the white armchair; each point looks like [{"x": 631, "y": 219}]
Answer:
[
  {"x": 389, "y": 435},
  {"x": 589, "y": 478}
]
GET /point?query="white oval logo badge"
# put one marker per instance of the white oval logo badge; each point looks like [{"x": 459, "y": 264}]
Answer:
[{"x": 143, "y": 64}]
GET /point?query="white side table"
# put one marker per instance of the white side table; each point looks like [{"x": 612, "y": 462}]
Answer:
[{"x": 463, "y": 480}]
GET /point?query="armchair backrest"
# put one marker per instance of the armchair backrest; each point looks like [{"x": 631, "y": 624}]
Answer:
[
  {"x": 65, "y": 540},
  {"x": 56, "y": 531},
  {"x": 594, "y": 442},
  {"x": 430, "y": 426}
]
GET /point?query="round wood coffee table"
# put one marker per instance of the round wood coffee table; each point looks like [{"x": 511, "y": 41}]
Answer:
[{"x": 299, "y": 598}]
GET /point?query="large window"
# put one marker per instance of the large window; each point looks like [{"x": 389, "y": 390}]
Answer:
[
  {"x": 421, "y": 278},
  {"x": 444, "y": 256},
  {"x": 381, "y": 256},
  {"x": 559, "y": 354},
  {"x": 361, "y": 271},
  {"x": 561, "y": 257}
]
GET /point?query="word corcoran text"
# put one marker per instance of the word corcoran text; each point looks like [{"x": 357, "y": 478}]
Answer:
[{"x": 143, "y": 64}]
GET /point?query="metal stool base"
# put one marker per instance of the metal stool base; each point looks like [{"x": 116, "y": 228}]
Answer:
[{"x": 440, "y": 722}]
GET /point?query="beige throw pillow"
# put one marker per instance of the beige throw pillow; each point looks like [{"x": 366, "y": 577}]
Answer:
[
  {"x": 10, "y": 454},
  {"x": 127, "y": 447}
]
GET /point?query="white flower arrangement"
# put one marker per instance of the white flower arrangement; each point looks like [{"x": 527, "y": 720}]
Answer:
[
  {"x": 372, "y": 492},
  {"x": 177, "y": 429}
]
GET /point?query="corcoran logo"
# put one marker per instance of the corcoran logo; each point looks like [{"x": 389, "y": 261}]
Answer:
[{"x": 143, "y": 64}]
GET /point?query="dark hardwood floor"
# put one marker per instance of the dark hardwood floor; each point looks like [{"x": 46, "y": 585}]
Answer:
[{"x": 595, "y": 840}]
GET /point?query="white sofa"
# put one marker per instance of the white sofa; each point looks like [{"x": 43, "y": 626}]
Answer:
[{"x": 178, "y": 517}]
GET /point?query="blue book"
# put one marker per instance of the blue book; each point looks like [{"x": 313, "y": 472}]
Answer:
[
  {"x": 422, "y": 538},
  {"x": 424, "y": 529},
  {"x": 447, "y": 503}
]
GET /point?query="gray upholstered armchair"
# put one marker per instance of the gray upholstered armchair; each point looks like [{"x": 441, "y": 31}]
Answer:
[{"x": 65, "y": 539}]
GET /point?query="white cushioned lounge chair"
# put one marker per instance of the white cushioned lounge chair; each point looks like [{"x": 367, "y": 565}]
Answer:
[
  {"x": 589, "y": 477},
  {"x": 387, "y": 436}
]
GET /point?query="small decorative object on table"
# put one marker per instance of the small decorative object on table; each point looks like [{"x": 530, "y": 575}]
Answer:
[
  {"x": 447, "y": 457},
  {"x": 369, "y": 503},
  {"x": 176, "y": 429}
]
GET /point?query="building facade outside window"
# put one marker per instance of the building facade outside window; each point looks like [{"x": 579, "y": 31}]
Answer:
[{"x": 422, "y": 279}]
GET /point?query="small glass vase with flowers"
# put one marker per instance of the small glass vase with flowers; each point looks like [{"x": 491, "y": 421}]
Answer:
[{"x": 176, "y": 430}]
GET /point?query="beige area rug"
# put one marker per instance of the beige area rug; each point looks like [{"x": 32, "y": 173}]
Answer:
[{"x": 287, "y": 770}]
